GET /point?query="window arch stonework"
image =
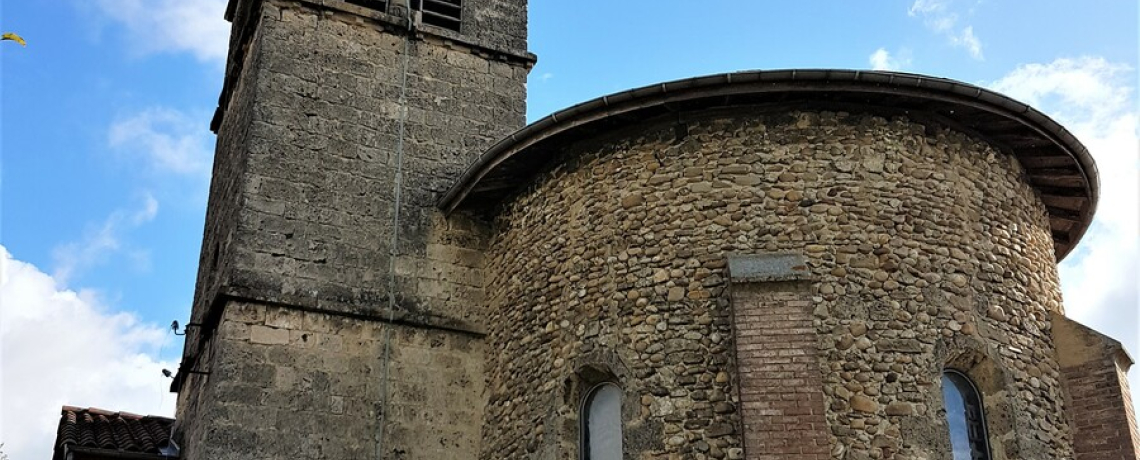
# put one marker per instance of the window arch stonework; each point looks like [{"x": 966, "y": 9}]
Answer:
[
  {"x": 965, "y": 417},
  {"x": 975, "y": 360}
]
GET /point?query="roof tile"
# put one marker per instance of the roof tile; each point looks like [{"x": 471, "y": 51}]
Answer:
[{"x": 103, "y": 429}]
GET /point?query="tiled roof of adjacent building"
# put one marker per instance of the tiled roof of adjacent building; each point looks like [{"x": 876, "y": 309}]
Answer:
[{"x": 111, "y": 431}]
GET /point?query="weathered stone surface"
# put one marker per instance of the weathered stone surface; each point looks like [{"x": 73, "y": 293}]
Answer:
[
  {"x": 768, "y": 267},
  {"x": 302, "y": 206},
  {"x": 923, "y": 248},
  {"x": 268, "y": 335},
  {"x": 901, "y": 273},
  {"x": 314, "y": 388},
  {"x": 862, "y": 403},
  {"x": 303, "y": 217},
  {"x": 899, "y": 409}
]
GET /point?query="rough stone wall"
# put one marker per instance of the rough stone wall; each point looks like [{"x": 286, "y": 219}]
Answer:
[
  {"x": 228, "y": 174},
  {"x": 496, "y": 23},
  {"x": 301, "y": 219},
  {"x": 314, "y": 199},
  {"x": 292, "y": 384},
  {"x": 926, "y": 249},
  {"x": 194, "y": 403},
  {"x": 1094, "y": 369}
]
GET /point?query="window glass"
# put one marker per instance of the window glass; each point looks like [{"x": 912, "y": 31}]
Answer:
[
  {"x": 602, "y": 428},
  {"x": 964, "y": 417}
]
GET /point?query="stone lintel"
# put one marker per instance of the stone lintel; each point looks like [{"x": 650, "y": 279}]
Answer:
[{"x": 756, "y": 268}]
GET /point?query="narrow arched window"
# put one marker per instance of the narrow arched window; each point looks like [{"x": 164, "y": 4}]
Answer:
[
  {"x": 965, "y": 417},
  {"x": 601, "y": 423}
]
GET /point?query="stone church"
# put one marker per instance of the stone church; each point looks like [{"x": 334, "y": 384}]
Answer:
[{"x": 788, "y": 264}]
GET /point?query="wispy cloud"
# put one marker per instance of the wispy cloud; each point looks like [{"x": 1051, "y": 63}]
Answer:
[
  {"x": 935, "y": 9},
  {"x": 967, "y": 39},
  {"x": 59, "y": 346},
  {"x": 940, "y": 17},
  {"x": 1095, "y": 99},
  {"x": 882, "y": 59},
  {"x": 100, "y": 241},
  {"x": 167, "y": 140},
  {"x": 194, "y": 26}
]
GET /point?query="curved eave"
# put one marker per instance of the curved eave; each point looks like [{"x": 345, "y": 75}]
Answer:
[{"x": 1057, "y": 165}]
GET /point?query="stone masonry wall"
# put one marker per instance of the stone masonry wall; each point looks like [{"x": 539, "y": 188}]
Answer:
[
  {"x": 498, "y": 24},
  {"x": 312, "y": 217},
  {"x": 926, "y": 249},
  {"x": 301, "y": 222},
  {"x": 292, "y": 384},
  {"x": 227, "y": 178}
]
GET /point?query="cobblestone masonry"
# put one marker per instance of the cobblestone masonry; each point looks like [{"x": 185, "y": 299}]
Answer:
[
  {"x": 926, "y": 249},
  {"x": 301, "y": 221}
]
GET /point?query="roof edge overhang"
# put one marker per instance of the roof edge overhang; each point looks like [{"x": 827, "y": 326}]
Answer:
[
  {"x": 70, "y": 450},
  {"x": 1057, "y": 165}
]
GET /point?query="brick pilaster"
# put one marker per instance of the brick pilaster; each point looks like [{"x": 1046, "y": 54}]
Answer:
[
  {"x": 1093, "y": 368},
  {"x": 781, "y": 387}
]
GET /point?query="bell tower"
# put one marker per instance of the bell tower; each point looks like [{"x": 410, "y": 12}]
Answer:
[{"x": 337, "y": 311}]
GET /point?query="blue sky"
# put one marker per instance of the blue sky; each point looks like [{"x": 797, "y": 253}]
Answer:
[{"x": 106, "y": 152}]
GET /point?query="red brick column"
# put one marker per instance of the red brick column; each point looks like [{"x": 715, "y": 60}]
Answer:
[
  {"x": 1093, "y": 368},
  {"x": 781, "y": 388}
]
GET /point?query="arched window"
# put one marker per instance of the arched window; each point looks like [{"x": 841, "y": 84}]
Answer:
[
  {"x": 601, "y": 423},
  {"x": 967, "y": 422}
]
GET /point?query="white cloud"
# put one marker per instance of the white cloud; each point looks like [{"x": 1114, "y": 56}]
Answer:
[
  {"x": 882, "y": 59},
  {"x": 1094, "y": 99},
  {"x": 167, "y": 140},
  {"x": 101, "y": 241},
  {"x": 927, "y": 8},
  {"x": 967, "y": 39},
  {"x": 1085, "y": 90},
  {"x": 195, "y": 26},
  {"x": 939, "y": 17},
  {"x": 58, "y": 347}
]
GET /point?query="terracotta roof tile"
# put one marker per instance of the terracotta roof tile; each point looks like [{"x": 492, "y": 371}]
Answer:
[{"x": 103, "y": 429}]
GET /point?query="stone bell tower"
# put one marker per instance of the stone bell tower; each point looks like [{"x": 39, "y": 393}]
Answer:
[{"x": 336, "y": 313}]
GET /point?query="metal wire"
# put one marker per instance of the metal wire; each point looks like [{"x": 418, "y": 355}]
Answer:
[{"x": 393, "y": 249}]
